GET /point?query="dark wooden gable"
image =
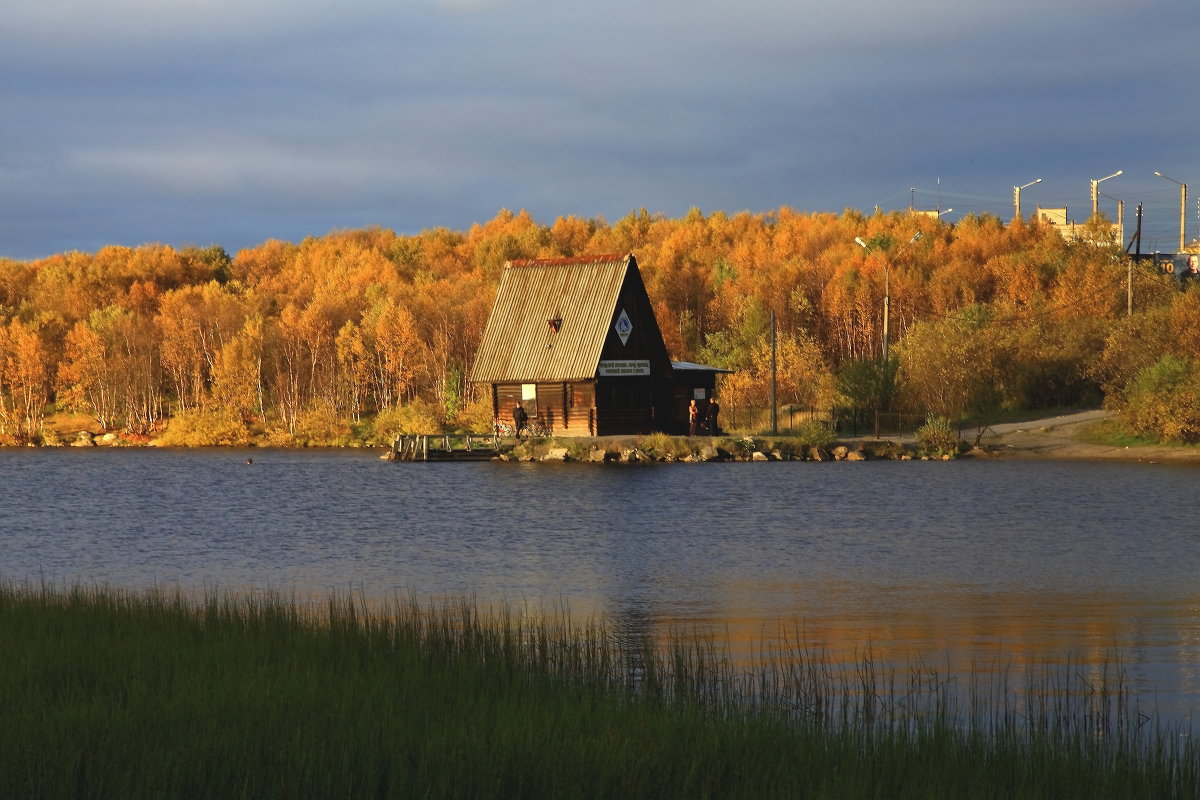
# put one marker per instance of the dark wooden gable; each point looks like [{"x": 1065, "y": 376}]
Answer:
[{"x": 644, "y": 342}]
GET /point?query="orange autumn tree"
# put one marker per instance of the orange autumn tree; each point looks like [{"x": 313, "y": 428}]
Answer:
[
  {"x": 83, "y": 382},
  {"x": 359, "y": 321},
  {"x": 394, "y": 351},
  {"x": 194, "y": 324},
  {"x": 23, "y": 381}
]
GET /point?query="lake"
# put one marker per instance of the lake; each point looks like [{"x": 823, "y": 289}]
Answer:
[{"x": 964, "y": 565}]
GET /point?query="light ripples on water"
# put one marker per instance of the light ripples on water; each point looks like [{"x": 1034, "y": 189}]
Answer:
[{"x": 960, "y": 562}]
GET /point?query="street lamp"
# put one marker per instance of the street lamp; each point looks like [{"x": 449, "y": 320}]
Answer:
[
  {"x": 1096, "y": 191},
  {"x": 887, "y": 288},
  {"x": 1017, "y": 197},
  {"x": 1182, "y": 209}
]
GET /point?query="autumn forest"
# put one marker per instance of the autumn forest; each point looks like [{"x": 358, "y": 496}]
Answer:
[{"x": 358, "y": 335}]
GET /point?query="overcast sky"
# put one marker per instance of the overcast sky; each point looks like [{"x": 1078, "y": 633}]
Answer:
[{"x": 236, "y": 121}]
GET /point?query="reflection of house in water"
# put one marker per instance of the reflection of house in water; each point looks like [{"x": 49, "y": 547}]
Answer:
[{"x": 575, "y": 341}]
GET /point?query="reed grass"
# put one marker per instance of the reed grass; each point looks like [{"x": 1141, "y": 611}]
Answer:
[{"x": 111, "y": 693}]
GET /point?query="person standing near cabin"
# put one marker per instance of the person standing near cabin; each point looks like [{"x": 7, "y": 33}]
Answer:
[
  {"x": 693, "y": 417},
  {"x": 714, "y": 408},
  {"x": 520, "y": 418}
]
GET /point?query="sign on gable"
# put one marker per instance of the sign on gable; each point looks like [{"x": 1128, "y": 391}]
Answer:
[{"x": 623, "y": 327}]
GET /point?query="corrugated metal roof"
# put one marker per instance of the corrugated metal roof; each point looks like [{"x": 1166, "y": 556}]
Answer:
[
  {"x": 519, "y": 343},
  {"x": 689, "y": 366}
]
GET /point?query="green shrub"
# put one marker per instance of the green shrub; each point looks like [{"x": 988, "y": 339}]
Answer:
[
  {"x": 212, "y": 428},
  {"x": 937, "y": 436},
  {"x": 417, "y": 417},
  {"x": 476, "y": 416},
  {"x": 323, "y": 426},
  {"x": 1163, "y": 402},
  {"x": 663, "y": 447},
  {"x": 538, "y": 447},
  {"x": 741, "y": 448},
  {"x": 884, "y": 448},
  {"x": 815, "y": 433}
]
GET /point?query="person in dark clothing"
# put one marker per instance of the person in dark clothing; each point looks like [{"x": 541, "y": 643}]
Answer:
[
  {"x": 710, "y": 420},
  {"x": 520, "y": 419}
]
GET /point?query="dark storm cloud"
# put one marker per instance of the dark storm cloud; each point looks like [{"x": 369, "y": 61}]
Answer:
[{"x": 231, "y": 123}]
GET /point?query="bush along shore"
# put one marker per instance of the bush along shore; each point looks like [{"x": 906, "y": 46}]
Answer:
[
  {"x": 660, "y": 448},
  {"x": 813, "y": 442},
  {"x": 109, "y": 693}
]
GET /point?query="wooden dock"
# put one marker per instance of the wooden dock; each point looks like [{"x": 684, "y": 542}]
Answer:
[{"x": 464, "y": 447}]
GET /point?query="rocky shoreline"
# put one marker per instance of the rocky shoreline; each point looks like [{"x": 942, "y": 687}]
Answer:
[
  {"x": 689, "y": 451},
  {"x": 1060, "y": 438}
]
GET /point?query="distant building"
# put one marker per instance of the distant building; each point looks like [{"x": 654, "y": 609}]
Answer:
[
  {"x": 575, "y": 341},
  {"x": 1073, "y": 231}
]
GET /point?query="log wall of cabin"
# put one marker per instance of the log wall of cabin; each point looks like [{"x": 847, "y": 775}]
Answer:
[
  {"x": 507, "y": 395},
  {"x": 581, "y": 408},
  {"x": 561, "y": 407}
]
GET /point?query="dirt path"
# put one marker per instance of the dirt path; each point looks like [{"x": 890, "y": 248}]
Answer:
[{"x": 1059, "y": 437}]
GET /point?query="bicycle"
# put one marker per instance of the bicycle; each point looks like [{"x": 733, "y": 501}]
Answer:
[{"x": 537, "y": 429}]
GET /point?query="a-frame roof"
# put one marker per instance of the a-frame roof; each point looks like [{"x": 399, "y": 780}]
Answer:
[{"x": 520, "y": 343}]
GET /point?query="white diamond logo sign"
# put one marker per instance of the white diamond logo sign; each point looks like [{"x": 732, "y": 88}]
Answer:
[{"x": 623, "y": 327}]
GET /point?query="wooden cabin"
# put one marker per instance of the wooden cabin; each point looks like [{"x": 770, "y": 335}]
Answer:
[{"x": 575, "y": 341}]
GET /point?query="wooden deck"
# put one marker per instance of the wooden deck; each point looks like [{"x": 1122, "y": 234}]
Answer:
[{"x": 466, "y": 447}]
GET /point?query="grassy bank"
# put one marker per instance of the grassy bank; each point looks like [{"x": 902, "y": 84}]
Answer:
[{"x": 111, "y": 694}]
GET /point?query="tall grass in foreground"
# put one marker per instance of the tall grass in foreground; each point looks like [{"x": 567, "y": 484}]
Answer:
[{"x": 108, "y": 693}]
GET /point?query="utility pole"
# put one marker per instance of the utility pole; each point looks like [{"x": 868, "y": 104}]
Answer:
[
  {"x": 1138, "y": 252},
  {"x": 1129, "y": 261}
]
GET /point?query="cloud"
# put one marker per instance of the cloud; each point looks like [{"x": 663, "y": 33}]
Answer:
[
  {"x": 468, "y": 5},
  {"x": 442, "y": 111}
]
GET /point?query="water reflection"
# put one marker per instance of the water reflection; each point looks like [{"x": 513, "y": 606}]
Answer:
[{"x": 960, "y": 565}]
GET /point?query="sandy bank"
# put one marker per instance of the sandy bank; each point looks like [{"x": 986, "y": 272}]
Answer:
[{"x": 1062, "y": 438}]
